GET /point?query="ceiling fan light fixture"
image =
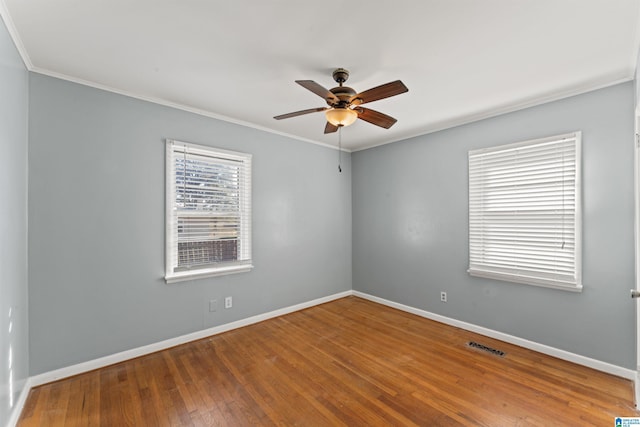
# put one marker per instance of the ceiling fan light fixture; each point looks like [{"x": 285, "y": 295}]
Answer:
[{"x": 341, "y": 116}]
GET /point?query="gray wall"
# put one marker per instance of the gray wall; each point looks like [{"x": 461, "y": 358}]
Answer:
[
  {"x": 96, "y": 225},
  {"x": 410, "y": 225},
  {"x": 13, "y": 224}
]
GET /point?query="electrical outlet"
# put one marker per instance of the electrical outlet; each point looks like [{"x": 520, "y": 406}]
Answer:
[
  {"x": 443, "y": 296},
  {"x": 228, "y": 302},
  {"x": 213, "y": 305}
]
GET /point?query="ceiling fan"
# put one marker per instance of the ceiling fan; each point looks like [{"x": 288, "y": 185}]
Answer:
[{"x": 345, "y": 104}]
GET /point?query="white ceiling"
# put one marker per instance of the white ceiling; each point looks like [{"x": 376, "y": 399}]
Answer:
[{"x": 461, "y": 59}]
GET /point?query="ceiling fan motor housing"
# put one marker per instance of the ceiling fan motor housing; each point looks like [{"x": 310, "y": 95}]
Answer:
[{"x": 344, "y": 94}]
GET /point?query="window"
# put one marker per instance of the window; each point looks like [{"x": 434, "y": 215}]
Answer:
[
  {"x": 524, "y": 212},
  {"x": 208, "y": 216}
]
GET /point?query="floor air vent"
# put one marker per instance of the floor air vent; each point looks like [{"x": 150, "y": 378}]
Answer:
[{"x": 474, "y": 344}]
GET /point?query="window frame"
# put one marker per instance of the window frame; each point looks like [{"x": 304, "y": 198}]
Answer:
[
  {"x": 174, "y": 273},
  {"x": 479, "y": 266}
]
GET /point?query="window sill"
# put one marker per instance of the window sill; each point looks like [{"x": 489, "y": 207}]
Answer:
[
  {"x": 563, "y": 286},
  {"x": 206, "y": 272}
]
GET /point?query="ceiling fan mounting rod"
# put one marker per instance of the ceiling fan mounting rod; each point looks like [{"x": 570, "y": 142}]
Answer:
[{"x": 340, "y": 75}]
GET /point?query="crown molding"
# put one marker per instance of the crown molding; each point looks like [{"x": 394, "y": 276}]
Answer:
[
  {"x": 633, "y": 65},
  {"x": 581, "y": 89},
  {"x": 588, "y": 86},
  {"x": 174, "y": 105},
  {"x": 13, "y": 33},
  {"x": 17, "y": 41}
]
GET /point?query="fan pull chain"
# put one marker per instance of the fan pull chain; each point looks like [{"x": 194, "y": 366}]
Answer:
[{"x": 339, "y": 149}]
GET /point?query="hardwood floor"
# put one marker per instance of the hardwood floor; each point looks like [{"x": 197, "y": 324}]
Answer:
[{"x": 348, "y": 362}]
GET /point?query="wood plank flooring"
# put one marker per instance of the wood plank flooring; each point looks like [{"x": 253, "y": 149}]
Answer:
[{"x": 348, "y": 362}]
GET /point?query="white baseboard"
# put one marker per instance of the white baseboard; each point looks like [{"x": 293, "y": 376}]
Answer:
[
  {"x": 540, "y": 348},
  {"x": 101, "y": 362},
  {"x": 19, "y": 405}
]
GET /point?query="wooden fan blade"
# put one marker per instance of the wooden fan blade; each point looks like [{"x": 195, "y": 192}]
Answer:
[
  {"x": 319, "y": 90},
  {"x": 379, "y": 92},
  {"x": 329, "y": 128},
  {"x": 375, "y": 117},
  {"x": 300, "y": 113}
]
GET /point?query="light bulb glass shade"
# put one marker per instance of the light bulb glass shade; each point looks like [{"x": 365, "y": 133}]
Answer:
[{"x": 341, "y": 116}]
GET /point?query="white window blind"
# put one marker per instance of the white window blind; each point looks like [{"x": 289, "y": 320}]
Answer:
[
  {"x": 524, "y": 212},
  {"x": 208, "y": 211}
]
